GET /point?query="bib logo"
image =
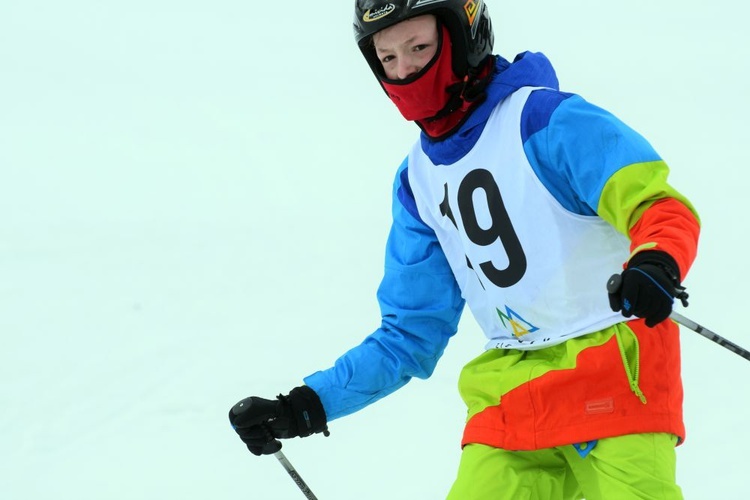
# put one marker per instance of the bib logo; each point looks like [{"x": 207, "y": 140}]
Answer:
[
  {"x": 379, "y": 13},
  {"x": 515, "y": 323}
]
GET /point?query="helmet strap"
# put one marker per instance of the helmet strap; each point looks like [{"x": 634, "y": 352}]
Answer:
[{"x": 466, "y": 96}]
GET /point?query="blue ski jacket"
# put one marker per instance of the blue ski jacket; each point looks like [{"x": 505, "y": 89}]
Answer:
[{"x": 420, "y": 301}]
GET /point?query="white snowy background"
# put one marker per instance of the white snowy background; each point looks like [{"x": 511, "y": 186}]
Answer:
[{"x": 194, "y": 201}]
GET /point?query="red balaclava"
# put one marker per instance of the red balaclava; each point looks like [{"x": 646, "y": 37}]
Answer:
[{"x": 435, "y": 97}]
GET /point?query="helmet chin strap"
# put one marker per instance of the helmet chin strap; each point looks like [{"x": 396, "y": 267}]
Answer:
[
  {"x": 470, "y": 90},
  {"x": 465, "y": 96}
]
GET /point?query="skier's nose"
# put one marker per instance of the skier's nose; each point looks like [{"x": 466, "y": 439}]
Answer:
[{"x": 406, "y": 67}]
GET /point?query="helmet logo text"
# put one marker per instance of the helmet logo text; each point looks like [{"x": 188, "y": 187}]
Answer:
[{"x": 379, "y": 13}]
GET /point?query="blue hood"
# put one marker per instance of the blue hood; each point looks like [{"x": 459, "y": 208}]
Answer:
[{"x": 529, "y": 69}]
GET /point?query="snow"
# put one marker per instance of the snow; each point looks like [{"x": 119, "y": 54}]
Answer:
[{"x": 195, "y": 199}]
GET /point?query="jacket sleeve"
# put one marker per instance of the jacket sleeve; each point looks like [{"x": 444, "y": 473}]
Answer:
[
  {"x": 420, "y": 304},
  {"x": 594, "y": 164},
  {"x": 639, "y": 201}
]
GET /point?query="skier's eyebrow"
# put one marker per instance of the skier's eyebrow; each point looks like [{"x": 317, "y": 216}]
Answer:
[{"x": 408, "y": 41}]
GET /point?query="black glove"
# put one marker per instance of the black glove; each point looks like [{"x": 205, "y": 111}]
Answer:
[
  {"x": 647, "y": 287},
  {"x": 260, "y": 422}
]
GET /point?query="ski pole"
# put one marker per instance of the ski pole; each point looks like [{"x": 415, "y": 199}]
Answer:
[
  {"x": 265, "y": 411},
  {"x": 295, "y": 476},
  {"x": 713, "y": 337}
]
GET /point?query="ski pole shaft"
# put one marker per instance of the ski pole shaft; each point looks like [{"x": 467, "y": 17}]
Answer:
[
  {"x": 688, "y": 323},
  {"x": 295, "y": 476}
]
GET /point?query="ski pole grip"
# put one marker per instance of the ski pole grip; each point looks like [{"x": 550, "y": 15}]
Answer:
[
  {"x": 263, "y": 410},
  {"x": 614, "y": 283}
]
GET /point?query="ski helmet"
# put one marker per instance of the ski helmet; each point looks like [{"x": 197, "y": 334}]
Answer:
[{"x": 468, "y": 22}]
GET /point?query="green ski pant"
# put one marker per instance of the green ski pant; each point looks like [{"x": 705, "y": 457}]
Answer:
[{"x": 638, "y": 466}]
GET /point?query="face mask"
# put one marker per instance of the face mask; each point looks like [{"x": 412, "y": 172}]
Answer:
[{"x": 426, "y": 94}]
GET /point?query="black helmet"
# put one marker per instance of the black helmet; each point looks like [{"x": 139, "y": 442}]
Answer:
[{"x": 468, "y": 22}]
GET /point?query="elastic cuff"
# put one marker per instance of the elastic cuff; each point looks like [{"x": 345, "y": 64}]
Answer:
[
  {"x": 308, "y": 411},
  {"x": 658, "y": 258}
]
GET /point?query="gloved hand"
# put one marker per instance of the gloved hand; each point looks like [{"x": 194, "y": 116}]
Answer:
[
  {"x": 647, "y": 287},
  {"x": 260, "y": 422}
]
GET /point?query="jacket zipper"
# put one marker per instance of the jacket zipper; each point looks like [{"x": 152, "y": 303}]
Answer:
[{"x": 633, "y": 375}]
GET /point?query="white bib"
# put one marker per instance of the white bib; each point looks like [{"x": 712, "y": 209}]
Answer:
[{"x": 533, "y": 273}]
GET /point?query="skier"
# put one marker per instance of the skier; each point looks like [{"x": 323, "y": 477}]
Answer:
[{"x": 519, "y": 200}]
